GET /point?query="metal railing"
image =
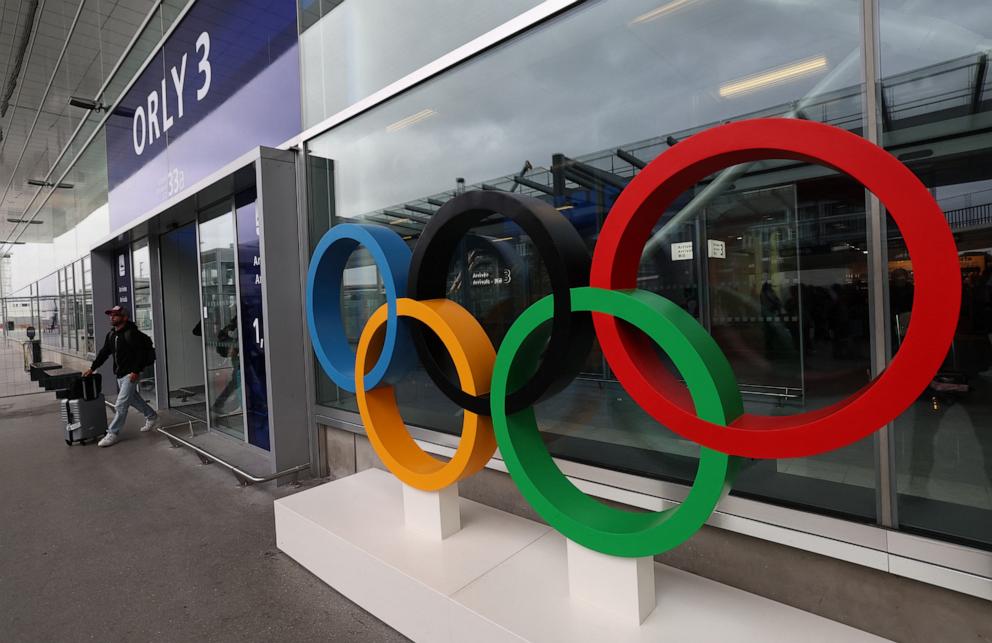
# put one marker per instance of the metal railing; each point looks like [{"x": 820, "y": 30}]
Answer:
[
  {"x": 243, "y": 477},
  {"x": 972, "y": 216}
]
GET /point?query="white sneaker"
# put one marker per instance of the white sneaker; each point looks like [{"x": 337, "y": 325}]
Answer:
[
  {"x": 150, "y": 424},
  {"x": 108, "y": 440}
]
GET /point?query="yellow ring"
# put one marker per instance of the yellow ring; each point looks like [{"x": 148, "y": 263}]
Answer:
[{"x": 473, "y": 355}]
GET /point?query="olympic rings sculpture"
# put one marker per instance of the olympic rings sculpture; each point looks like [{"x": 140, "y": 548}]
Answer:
[{"x": 597, "y": 298}]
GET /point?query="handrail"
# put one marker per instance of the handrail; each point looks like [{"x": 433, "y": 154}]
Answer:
[{"x": 244, "y": 478}]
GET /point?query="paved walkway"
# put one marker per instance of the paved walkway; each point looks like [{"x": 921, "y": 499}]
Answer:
[{"x": 140, "y": 542}]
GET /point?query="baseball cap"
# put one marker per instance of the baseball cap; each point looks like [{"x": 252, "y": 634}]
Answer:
[{"x": 119, "y": 310}]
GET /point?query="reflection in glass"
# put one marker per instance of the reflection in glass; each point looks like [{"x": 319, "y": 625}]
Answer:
[
  {"x": 936, "y": 111},
  {"x": 360, "y": 47},
  {"x": 141, "y": 280},
  {"x": 182, "y": 324},
  {"x": 219, "y": 326}
]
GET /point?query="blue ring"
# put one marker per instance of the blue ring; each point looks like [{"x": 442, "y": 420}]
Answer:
[{"x": 324, "y": 288}]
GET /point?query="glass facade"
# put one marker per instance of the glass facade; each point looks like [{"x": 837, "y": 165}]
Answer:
[
  {"x": 59, "y": 307},
  {"x": 787, "y": 299},
  {"x": 772, "y": 258},
  {"x": 361, "y": 47},
  {"x": 935, "y": 111}
]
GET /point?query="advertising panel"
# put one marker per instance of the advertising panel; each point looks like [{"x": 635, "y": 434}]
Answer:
[
  {"x": 253, "y": 337},
  {"x": 226, "y": 81}
]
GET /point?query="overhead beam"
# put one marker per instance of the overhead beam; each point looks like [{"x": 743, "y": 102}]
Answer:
[{"x": 980, "y": 74}]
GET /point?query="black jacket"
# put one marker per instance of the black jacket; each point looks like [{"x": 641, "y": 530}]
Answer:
[{"x": 130, "y": 348}]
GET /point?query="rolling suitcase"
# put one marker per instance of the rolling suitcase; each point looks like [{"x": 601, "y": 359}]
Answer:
[{"x": 84, "y": 419}]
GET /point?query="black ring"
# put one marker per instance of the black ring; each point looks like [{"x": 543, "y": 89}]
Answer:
[{"x": 566, "y": 260}]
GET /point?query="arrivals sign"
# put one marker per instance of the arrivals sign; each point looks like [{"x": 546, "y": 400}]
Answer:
[{"x": 226, "y": 81}]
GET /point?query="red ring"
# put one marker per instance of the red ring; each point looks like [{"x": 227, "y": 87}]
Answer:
[{"x": 936, "y": 302}]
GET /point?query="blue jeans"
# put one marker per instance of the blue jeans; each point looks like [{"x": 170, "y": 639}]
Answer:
[{"x": 128, "y": 396}]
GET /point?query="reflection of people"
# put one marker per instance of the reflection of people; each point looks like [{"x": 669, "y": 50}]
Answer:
[
  {"x": 227, "y": 346},
  {"x": 928, "y": 419},
  {"x": 900, "y": 304},
  {"x": 132, "y": 352},
  {"x": 771, "y": 308},
  {"x": 963, "y": 377}
]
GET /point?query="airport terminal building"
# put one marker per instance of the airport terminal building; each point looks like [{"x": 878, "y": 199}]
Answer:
[{"x": 189, "y": 169}]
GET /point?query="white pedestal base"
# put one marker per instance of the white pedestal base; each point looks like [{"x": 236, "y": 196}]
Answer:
[
  {"x": 624, "y": 586},
  {"x": 503, "y": 578},
  {"x": 433, "y": 513}
]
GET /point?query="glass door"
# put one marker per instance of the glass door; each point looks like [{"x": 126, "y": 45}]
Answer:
[
  {"x": 178, "y": 254},
  {"x": 219, "y": 322},
  {"x": 754, "y": 291},
  {"x": 141, "y": 295}
]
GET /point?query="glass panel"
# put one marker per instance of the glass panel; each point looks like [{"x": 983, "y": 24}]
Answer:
[
  {"x": 79, "y": 307},
  {"x": 220, "y": 320},
  {"x": 936, "y": 115},
  {"x": 88, "y": 306},
  {"x": 19, "y": 317},
  {"x": 64, "y": 290},
  {"x": 360, "y": 47},
  {"x": 69, "y": 311},
  {"x": 48, "y": 319},
  {"x": 141, "y": 280},
  {"x": 783, "y": 289},
  {"x": 181, "y": 323}
]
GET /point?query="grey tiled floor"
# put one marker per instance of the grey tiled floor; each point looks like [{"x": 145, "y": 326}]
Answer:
[{"x": 140, "y": 542}]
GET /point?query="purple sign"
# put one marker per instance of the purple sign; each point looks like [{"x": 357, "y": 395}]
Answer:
[
  {"x": 253, "y": 337},
  {"x": 226, "y": 81}
]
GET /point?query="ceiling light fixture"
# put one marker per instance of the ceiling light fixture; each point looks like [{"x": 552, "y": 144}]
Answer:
[
  {"x": 48, "y": 184},
  {"x": 25, "y": 221},
  {"x": 664, "y": 9},
  {"x": 773, "y": 76},
  {"x": 87, "y": 103},
  {"x": 410, "y": 120}
]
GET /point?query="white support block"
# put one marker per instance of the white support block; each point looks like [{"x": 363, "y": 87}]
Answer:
[
  {"x": 432, "y": 513},
  {"x": 624, "y": 586},
  {"x": 503, "y": 578}
]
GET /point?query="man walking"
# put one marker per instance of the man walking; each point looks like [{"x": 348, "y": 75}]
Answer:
[{"x": 132, "y": 351}]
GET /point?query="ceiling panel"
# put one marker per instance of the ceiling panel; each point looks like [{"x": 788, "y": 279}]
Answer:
[{"x": 104, "y": 29}]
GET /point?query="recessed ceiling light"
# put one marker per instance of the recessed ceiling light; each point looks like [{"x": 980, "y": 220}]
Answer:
[
  {"x": 773, "y": 76},
  {"x": 410, "y": 120}
]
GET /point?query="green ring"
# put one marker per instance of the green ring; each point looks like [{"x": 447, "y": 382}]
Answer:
[{"x": 577, "y": 516}]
